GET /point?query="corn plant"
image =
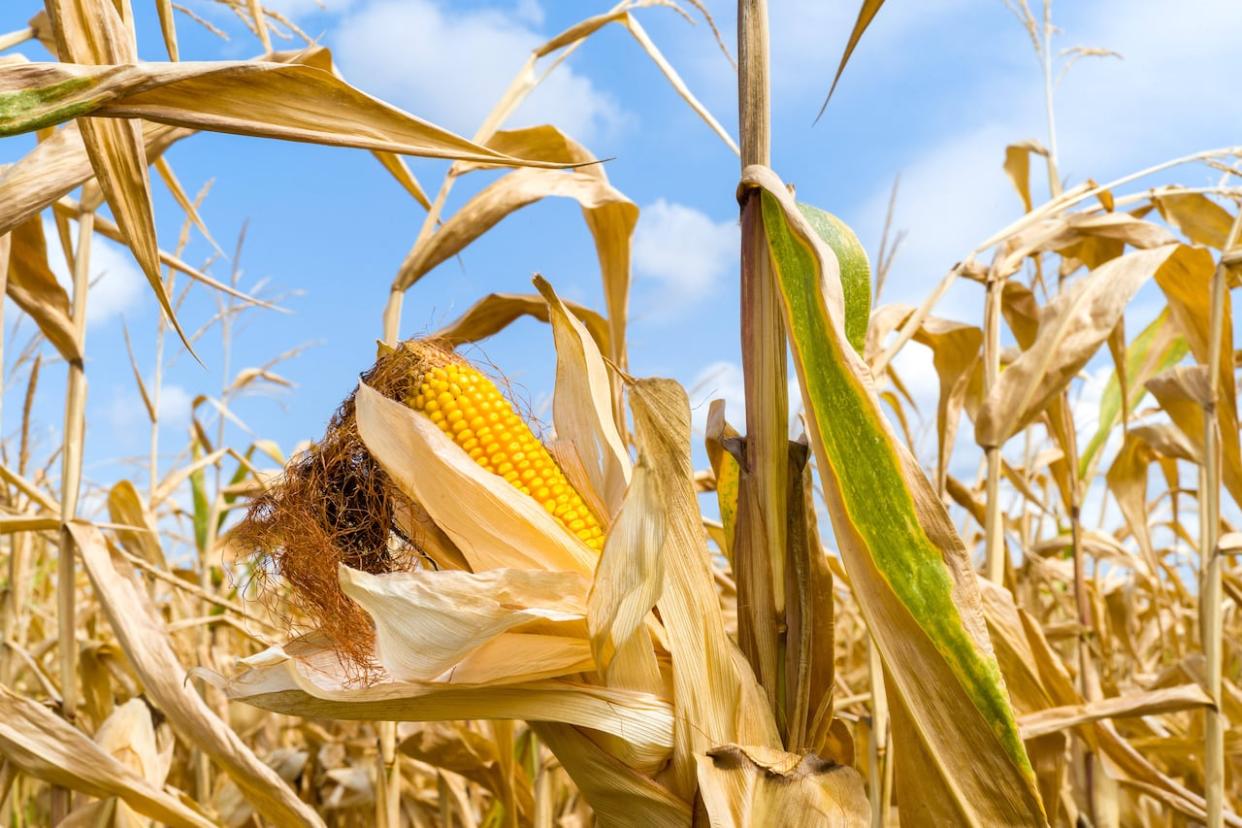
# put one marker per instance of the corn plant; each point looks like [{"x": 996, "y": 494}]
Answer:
[{"x": 435, "y": 614}]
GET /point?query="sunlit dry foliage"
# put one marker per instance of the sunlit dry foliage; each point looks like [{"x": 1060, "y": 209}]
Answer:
[{"x": 434, "y": 616}]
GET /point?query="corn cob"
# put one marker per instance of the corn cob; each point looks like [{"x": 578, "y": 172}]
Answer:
[{"x": 469, "y": 408}]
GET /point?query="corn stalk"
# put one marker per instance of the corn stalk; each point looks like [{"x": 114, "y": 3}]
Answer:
[
  {"x": 760, "y": 554},
  {"x": 1210, "y": 613}
]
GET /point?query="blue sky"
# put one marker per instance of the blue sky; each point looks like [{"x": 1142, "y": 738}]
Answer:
[{"x": 934, "y": 93}]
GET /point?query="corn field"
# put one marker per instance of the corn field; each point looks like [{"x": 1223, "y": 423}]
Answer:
[{"x": 439, "y": 612}]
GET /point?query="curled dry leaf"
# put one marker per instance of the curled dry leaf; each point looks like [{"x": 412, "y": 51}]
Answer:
[
  {"x": 628, "y": 582},
  {"x": 276, "y": 100},
  {"x": 1157, "y": 348},
  {"x": 1018, "y": 167},
  {"x": 1189, "y": 295},
  {"x": 619, "y": 795},
  {"x": 496, "y": 311},
  {"x": 126, "y": 508},
  {"x": 610, "y": 216},
  {"x": 716, "y": 697},
  {"x": 1202, "y": 220},
  {"x": 58, "y": 165},
  {"x": 1164, "y": 700},
  {"x": 305, "y": 678},
  {"x": 92, "y": 32},
  {"x": 1182, "y": 392},
  {"x": 33, "y": 287}
]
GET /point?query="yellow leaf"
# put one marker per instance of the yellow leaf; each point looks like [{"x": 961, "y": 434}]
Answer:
[
  {"x": 1018, "y": 167},
  {"x": 33, "y": 287},
  {"x": 866, "y": 13}
]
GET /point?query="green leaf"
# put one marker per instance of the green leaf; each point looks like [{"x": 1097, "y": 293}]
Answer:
[
  {"x": 855, "y": 270},
  {"x": 202, "y": 506},
  {"x": 1158, "y": 347},
  {"x": 959, "y": 752}
]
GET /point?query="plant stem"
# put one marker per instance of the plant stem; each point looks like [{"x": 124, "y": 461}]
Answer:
[
  {"x": 763, "y": 354},
  {"x": 388, "y": 777},
  {"x": 1210, "y": 613},
  {"x": 994, "y": 536},
  {"x": 15, "y": 557},
  {"x": 880, "y": 740},
  {"x": 1054, "y": 179},
  {"x": 71, "y": 468}
]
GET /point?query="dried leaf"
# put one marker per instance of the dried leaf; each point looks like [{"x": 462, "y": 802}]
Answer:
[
  {"x": 92, "y": 32},
  {"x": 1166, "y": 700},
  {"x": 582, "y": 406},
  {"x": 866, "y": 13},
  {"x": 1158, "y": 347},
  {"x": 628, "y": 582},
  {"x": 33, "y": 287},
  {"x": 58, "y": 165},
  {"x": 1200, "y": 219},
  {"x": 49, "y": 748},
  {"x": 744, "y": 786},
  {"x": 1072, "y": 327},
  {"x": 305, "y": 678},
  {"x": 618, "y": 795},
  {"x": 717, "y": 699},
  {"x": 149, "y": 650},
  {"x": 609, "y": 215},
  {"x": 1018, "y": 167},
  {"x": 293, "y": 101},
  {"x": 428, "y": 622},
  {"x": 496, "y": 311},
  {"x": 126, "y": 507}
]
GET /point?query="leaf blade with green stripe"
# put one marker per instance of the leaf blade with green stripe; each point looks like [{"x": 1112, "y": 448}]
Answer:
[{"x": 956, "y": 741}]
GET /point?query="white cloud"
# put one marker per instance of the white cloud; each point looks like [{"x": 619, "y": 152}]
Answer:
[
  {"x": 811, "y": 35},
  {"x": 683, "y": 249},
  {"x": 529, "y": 11},
  {"x": 723, "y": 380},
  {"x": 175, "y": 405},
  {"x": 718, "y": 381},
  {"x": 304, "y": 8},
  {"x": 1112, "y": 118},
  {"x": 116, "y": 283},
  {"x": 952, "y": 198},
  {"x": 126, "y": 412},
  {"x": 452, "y": 66}
]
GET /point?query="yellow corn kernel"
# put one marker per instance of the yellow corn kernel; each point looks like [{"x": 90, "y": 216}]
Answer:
[{"x": 468, "y": 407}]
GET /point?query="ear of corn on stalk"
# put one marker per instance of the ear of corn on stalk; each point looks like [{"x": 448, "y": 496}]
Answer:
[{"x": 468, "y": 407}]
